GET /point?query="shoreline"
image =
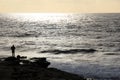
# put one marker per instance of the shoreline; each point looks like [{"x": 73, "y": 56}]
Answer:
[{"x": 10, "y": 71}]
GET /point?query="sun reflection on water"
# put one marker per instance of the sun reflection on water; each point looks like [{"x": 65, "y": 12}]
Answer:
[{"x": 51, "y": 17}]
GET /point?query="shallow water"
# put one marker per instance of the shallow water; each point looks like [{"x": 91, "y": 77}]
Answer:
[{"x": 33, "y": 33}]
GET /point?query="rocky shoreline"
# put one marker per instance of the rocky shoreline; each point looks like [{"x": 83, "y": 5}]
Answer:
[{"x": 33, "y": 70}]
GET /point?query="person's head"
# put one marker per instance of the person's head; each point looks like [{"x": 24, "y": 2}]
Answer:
[{"x": 13, "y": 45}]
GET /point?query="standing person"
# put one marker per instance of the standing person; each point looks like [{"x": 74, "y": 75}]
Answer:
[{"x": 13, "y": 50}]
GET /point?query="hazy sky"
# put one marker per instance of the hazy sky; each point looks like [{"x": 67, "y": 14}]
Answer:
[{"x": 54, "y": 6}]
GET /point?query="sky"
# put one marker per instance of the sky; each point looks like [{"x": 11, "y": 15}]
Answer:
[{"x": 60, "y": 6}]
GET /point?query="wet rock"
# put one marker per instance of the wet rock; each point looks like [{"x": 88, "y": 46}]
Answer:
[
  {"x": 71, "y": 51},
  {"x": 41, "y": 62}
]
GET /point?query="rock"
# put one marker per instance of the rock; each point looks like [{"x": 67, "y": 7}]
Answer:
[
  {"x": 36, "y": 70},
  {"x": 41, "y": 62},
  {"x": 71, "y": 51},
  {"x": 12, "y": 61}
]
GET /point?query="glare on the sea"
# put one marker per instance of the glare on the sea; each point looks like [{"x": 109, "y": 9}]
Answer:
[{"x": 51, "y": 17}]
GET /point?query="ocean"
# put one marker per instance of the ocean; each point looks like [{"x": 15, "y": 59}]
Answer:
[{"x": 84, "y": 44}]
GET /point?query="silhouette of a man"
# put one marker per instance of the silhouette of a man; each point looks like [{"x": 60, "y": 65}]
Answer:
[{"x": 13, "y": 50}]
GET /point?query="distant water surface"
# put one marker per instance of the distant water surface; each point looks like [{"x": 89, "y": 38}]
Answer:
[{"x": 34, "y": 33}]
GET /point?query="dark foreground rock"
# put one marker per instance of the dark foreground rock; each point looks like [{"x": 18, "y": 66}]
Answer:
[
  {"x": 33, "y": 69},
  {"x": 34, "y": 73}
]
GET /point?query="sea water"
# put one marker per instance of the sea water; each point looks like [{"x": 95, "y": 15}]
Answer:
[{"x": 34, "y": 33}]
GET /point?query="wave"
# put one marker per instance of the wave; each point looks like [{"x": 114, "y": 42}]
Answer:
[
  {"x": 19, "y": 34},
  {"x": 71, "y": 51},
  {"x": 112, "y": 54}
]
